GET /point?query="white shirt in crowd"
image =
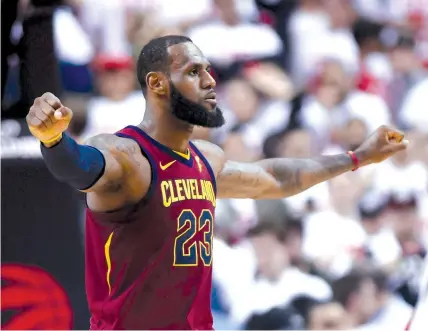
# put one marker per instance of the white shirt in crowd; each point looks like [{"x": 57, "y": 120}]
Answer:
[
  {"x": 331, "y": 239},
  {"x": 405, "y": 180},
  {"x": 371, "y": 109},
  {"x": 234, "y": 270},
  {"x": 107, "y": 116},
  {"x": 319, "y": 195},
  {"x": 414, "y": 111},
  {"x": 313, "y": 41}
]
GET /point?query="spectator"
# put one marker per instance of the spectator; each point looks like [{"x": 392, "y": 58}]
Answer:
[
  {"x": 370, "y": 304},
  {"x": 118, "y": 104},
  {"x": 276, "y": 283},
  {"x": 328, "y": 316},
  {"x": 409, "y": 74}
]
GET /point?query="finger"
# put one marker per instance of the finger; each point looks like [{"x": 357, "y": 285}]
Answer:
[
  {"x": 394, "y": 136},
  {"x": 63, "y": 113},
  {"x": 48, "y": 110},
  {"x": 398, "y": 146},
  {"x": 43, "y": 117},
  {"x": 37, "y": 123},
  {"x": 52, "y": 100}
]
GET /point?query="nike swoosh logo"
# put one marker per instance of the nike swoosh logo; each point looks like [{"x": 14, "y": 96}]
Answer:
[{"x": 166, "y": 166}]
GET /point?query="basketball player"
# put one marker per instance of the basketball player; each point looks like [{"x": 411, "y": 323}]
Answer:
[{"x": 151, "y": 193}]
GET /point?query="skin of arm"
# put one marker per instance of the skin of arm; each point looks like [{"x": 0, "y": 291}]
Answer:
[
  {"x": 283, "y": 177},
  {"x": 279, "y": 177},
  {"x": 127, "y": 174},
  {"x": 271, "y": 178}
]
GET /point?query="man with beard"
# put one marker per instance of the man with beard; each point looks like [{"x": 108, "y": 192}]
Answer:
[{"x": 151, "y": 193}]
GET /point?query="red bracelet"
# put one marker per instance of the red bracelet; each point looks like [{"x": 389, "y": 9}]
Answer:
[{"x": 354, "y": 160}]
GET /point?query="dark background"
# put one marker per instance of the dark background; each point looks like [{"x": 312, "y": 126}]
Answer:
[{"x": 38, "y": 209}]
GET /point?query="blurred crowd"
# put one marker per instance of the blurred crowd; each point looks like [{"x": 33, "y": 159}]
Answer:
[{"x": 295, "y": 78}]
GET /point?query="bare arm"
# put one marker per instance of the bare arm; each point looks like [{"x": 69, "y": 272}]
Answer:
[
  {"x": 278, "y": 178},
  {"x": 126, "y": 177},
  {"x": 118, "y": 154},
  {"x": 281, "y": 177},
  {"x": 114, "y": 172}
]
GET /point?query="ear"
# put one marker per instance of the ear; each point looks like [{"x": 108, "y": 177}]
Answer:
[{"x": 156, "y": 82}]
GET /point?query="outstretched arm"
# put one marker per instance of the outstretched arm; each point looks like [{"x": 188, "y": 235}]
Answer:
[
  {"x": 281, "y": 177},
  {"x": 109, "y": 168},
  {"x": 278, "y": 178}
]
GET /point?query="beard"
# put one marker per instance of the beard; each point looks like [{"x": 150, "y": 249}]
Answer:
[{"x": 194, "y": 113}]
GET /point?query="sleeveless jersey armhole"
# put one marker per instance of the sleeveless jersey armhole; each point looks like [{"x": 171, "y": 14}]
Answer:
[
  {"x": 153, "y": 168},
  {"x": 207, "y": 164},
  {"x": 124, "y": 214}
]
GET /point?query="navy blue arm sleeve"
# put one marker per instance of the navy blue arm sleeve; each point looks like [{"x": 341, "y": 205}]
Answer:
[{"x": 80, "y": 166}]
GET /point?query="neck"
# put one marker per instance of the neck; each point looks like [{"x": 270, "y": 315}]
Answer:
[{"x": 167, "y": 130}]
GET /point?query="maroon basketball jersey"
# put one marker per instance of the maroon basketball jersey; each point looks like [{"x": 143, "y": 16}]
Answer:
[{"x": 148, "y": 266}]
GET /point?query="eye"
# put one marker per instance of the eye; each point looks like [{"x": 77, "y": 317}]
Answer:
[
  {"x": 193, "y": 72},
  {"x": 208, "y": 69}
]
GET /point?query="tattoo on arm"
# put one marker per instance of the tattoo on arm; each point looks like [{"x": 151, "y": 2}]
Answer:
[{"x": 297, "y": 175}]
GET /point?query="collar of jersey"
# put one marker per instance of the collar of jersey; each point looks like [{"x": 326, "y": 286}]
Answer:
[{"x": 185, "y": 158}]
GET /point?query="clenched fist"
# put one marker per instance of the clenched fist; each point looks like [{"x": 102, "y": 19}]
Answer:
[
  {"x": 48, "y": 119},
  {"x": 383, "y": 143}
]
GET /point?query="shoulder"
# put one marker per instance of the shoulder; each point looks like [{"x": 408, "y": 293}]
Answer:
[
  {"x": 107, "y": 142},
  {"x": 123, "y": 153},
  {"x": 213, "y": 153}
]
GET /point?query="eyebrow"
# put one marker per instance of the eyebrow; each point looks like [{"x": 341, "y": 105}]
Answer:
[{"x": 198, "y": 65}]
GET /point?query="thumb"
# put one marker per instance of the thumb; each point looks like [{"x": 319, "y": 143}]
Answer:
[{"x": 63, "y": 113}]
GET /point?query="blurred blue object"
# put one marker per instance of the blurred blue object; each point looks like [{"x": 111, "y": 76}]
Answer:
[{"x": 76, "y": 78}]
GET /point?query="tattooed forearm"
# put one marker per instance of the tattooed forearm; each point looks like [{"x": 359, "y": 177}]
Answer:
[
  {"x": 297, "y": 175},
  {"x": 278, "y": 178},
  {"x": 243, "y": 180}
]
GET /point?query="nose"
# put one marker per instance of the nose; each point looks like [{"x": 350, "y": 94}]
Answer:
[{"x": 208, "y": 81}]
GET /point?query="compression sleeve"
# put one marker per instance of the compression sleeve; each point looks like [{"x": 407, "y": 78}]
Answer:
[{"x": 80, "y": 166}]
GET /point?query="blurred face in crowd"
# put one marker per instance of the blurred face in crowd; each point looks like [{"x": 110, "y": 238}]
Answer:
[
  {"x": 242, "y": 100},
  {"x": 355, "y": 134},
  {"x": 365, "y": 302},
  {"x": 405, "y": 222},
  {"x": 271, "y": 254},
  {"x": 227, "y": 11},
  {"x": 310, "y": 4},
  {"x": 191, "y": 87},
  {"x": 334, "y": 77},
  {"x": 297, "y": 143},
  {"x": 116, "y": 84},
  {"x": 403, "y": 60},
  {"x": 235, "y": 149},
  {"x": 373, "y": 225},
  {"x": 345, "y": 191},
  {"x": 340, "y": 12},
  {"x": 329, "y": 316}
]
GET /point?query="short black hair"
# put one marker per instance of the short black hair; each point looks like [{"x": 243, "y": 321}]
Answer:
[
  {"x": 364, "y": 30},
  {"x": 268, "y": 227},
  {"x": 349, "y": 284},
  {"x": 154, "y": 56}
]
